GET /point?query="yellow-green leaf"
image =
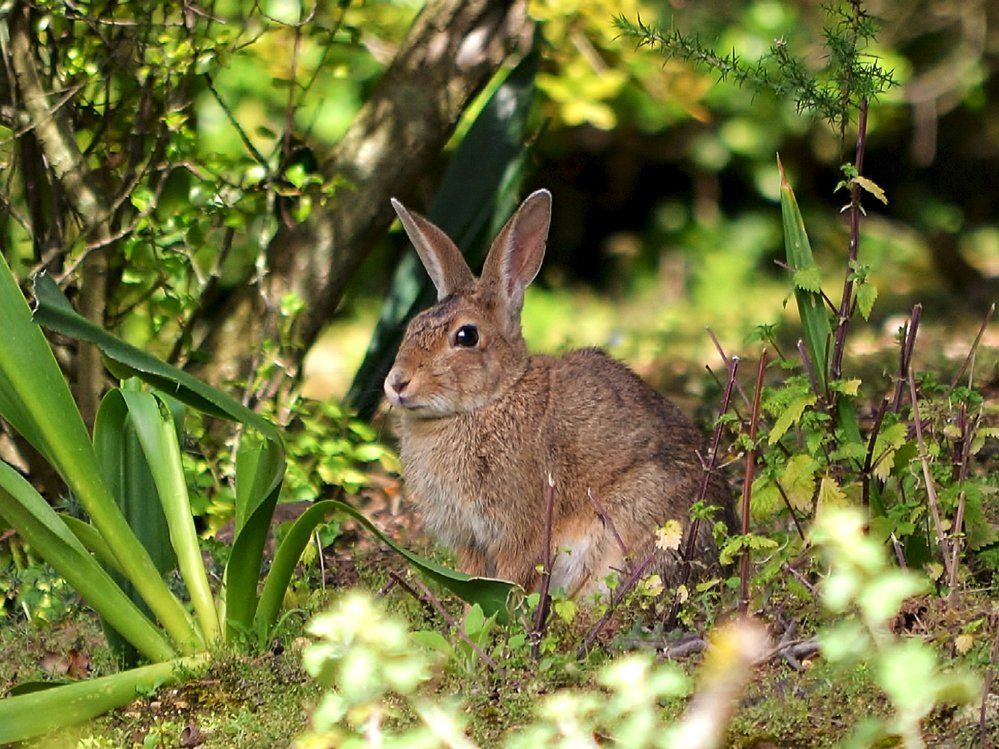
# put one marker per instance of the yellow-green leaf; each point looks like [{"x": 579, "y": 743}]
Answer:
[
  {"x": 798, "y": 481},
  {"x": 669, "y": 535},
  {"x": 830, "y": 494},
  {"x": 790, "y": 416},
  {"x": 872, "y": 187}
]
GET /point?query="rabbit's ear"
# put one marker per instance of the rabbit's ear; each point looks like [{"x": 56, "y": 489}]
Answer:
[
  {"x": 439, "y": 255},
  {"x": 516, "y": 254}
]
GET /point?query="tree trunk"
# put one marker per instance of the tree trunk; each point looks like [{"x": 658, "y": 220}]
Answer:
[{"x": 450, "y": 53}]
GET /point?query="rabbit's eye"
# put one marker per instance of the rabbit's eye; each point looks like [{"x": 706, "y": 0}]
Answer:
[{"x": 466, "y": 336}]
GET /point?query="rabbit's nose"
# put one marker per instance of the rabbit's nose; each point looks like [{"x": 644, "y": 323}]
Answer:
[{"x": 398, "y": 382}]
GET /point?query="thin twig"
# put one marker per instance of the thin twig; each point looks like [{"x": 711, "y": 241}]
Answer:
[
  {"x": 747, "y": 486},
  {"x": 905, "y": 356},
  {"x": 728, "y": 362},
  {"x": 427, "y": 595},
  {"x": 974, "y": 347},
  {"x": 846, "y": 302},
  {"x": 968, "y": 427},
  {"x": 608, "y": 523},
  {"x": 544, "y": 602},
  {"x": 869, "y": 458},
  {"x": 790, "y": 509},
  {"x": 702, "y": 491},
  {"x": 801, "y": 579},
  {"x": 899, "y": 554},
  {"x": 931, "y": 489},
  {"x": 623, "y": 590}
]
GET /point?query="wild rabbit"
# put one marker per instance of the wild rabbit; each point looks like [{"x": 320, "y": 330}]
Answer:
[{"x": 484, "y": 424}]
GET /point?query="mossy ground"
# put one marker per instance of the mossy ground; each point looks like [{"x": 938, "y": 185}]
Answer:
[{"x": 264, "y": 700}]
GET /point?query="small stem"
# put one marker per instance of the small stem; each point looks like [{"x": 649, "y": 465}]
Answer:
[
  {"x": 898, "y": 551},
  {"x": 967, "y": 433},
  {"x": 847, "y": 299},
  {"x": 728, "y": 363},
  {"x": 748, "y": 483},
  {"x": 931, "y": 489},
  {"x": 427, "y": 595},
  {"x": 974, "y": 347},
  {"x": 630, "y": 582},
  {"x": 869, "y": 459},
  {"x": 905, "y": 356},
  {"x": 544, "y": 602},
  {"x": 790, "y": 509},
  {"x": 801, "y": 579},
  {"x": 608, "y": 523},
  {"x": 709, "y": 467}
]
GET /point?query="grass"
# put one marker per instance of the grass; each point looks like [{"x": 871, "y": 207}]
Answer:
[{"x": 264, "y": 700}]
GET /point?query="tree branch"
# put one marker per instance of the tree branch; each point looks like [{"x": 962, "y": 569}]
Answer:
[{"x": 451, "y": 51}]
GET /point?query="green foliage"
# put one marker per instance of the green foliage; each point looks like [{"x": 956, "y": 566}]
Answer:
[
  {"x": 864, "y": 588},
  {"x": 834, "y": 93}
]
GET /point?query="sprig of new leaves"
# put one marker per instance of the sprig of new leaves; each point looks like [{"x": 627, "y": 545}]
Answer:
[{"x": 834, "y": 92}]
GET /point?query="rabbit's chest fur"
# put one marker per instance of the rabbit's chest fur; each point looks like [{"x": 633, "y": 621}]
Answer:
[{"x": 471, "y": 474}]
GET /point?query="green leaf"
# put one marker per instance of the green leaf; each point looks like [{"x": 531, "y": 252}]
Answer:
[
  {"x": 53, "y": 311},
  {"x": 798, "y": 481},
  {"x": 867, "y": 294},
  {"x": 262, "y": 472},
  {"x": 154, "y": 426},
  {"x": 34, "y": 714},
  {"x": 127, "y": 475},
  {"x": 283, "y": 567},
  {"x": 808, "y": 279},
  {"x": 789, "y": 416},
  {"x": 811, "y": 308},
  {"x": 870, "y": 186},
  {"x": 259, "y": 469},
  {"x": 491, "y": 594},
  {"x": 39, "y": 525},
  {"x": 830, "y": 494},
  {"x": 36, "y": 401}
]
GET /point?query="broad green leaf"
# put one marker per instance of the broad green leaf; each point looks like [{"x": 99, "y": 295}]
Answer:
[
  {"x": 867, "y": 294},
  {"x": 264, "y": 475},
  {"x": 477, "y": 193},
  {"x": 790, "y": 416},
  {"x": 53, "y": 311},
  {"x": 154, "y": 426},
  {"x": 38, "y": 524},
  {"x": 259, "y": 469},
  {"x": 127, "y": 475},
  {"x": 798, "y": 481},
  {"x": 808, "y": 279},
  {"x": 91, "y": 539},
  {"x": 283, "y": 567},
  {"x": 29, "y": 716},
  {"x": 811, "y": 308},
  {"x": 35, "y": 400},
  {"x": 491, "y": 594},
  {"x": 830, "y": 494}
]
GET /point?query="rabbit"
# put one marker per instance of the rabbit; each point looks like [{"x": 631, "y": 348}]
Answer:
[{"x": 485, "y": 426}]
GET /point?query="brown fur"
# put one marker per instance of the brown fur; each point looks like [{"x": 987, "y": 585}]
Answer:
[{"x": 483, "y": 427}]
